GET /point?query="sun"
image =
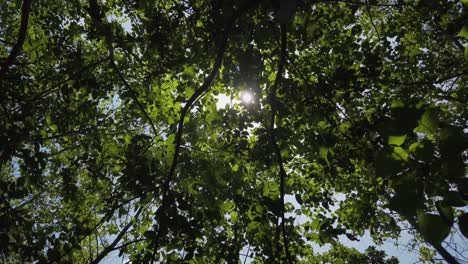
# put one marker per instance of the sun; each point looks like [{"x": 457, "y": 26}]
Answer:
[{"x": 247, "y": 97}]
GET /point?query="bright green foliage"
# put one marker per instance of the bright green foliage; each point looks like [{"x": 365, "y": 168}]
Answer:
[
  {"x": 369, "y": 125},
  {"x": 341, "y": 255}
]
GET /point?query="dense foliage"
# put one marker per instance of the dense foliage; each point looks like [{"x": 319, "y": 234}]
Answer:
[{"x": 111, "y": 141}]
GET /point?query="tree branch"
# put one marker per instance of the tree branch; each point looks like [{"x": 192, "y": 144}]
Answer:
[
  {"x": 445, "y": 254},
  {"x": 273, "y": 104},
  {"x": 180, "y": 125},
  {"x": 440, "y": 249},
  {"x": 97, "y": 16},
  {"x": 188, "y": 105},
  {"x": 119, "y": 237},
  {"x": 135, "y": 96},
  {"x": 25, "y": 11},
  {"x": 129, "y": 243},
  {"x": 363, "y": 3},
  {"x": 105, "y": 218},
  {"x": 436, "y": 81},
  {"x": 372, "y": 19}
]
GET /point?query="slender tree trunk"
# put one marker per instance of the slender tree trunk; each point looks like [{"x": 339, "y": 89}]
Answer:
[
  {"x": 445, "y": 254},
  {"x": 438, "y": 247}
]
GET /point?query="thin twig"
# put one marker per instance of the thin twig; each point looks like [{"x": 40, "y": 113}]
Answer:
[
  {"x": 372, "y": 19},
  {"x": 97, "y": 15},
  {"x": 129, "y": 243},
  {"x": 135, "y": 97},
  {"x": 247, "y": 255},
  {"x": 119, "y": 237}
]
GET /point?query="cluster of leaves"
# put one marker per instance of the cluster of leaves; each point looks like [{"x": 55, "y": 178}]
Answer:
[{"x": 111, "y": 138}]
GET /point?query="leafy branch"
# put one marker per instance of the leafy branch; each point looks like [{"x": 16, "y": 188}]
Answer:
[
  {"x": 273, "y": 104},
  {"x": 119, "y": 237},
  {"x": 363, "y": 3},
  {"x": 372, "y": 19},
  {"x": 97, "y": 16},
  {"x": 186, "y": 108}
]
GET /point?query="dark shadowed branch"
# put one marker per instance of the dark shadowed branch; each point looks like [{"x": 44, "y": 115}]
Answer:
[
  {"x": 119, "y": 237},
  {"x": 25, "y": 11},
  {"x": 273, "y": 104}
]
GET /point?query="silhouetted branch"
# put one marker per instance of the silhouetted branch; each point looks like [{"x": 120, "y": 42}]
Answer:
[
  {"x": 445, "y": 254},
  {"x": 372, "y": 19},
  {"x": 363, "y": 3},
  {"x": 129, "y": 243},
  {"x": 188, "y": 105},
  {"x": 119, "y": 237},
  {"x": 97, "y": 16},
  {"x": 273, "y": 104},
  {"x": 25, "y": 11},
  {"x": 438, "y": 247},
  {"x": 135, "y": 97},
  {"x": 435, "y": 81},
  {"x": 104, "y": 219}
]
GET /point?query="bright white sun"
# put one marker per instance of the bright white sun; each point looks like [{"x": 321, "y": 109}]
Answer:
[{"x": 247, "y": 97}]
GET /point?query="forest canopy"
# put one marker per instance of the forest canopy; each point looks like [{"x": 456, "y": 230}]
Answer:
[{"x": 235, "y": 131}]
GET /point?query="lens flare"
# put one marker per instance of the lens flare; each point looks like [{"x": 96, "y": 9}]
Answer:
[{"x": 247, "y": 97}]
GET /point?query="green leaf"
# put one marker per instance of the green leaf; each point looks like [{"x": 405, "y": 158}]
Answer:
[
  {"x": 386, "y": 165},
  {"x": 48, "y": 120},
  {"x": 33, "y": 55},
  {"x": 252, "y": 226},
  {"x": 453, "y": 141},
  {"x": 149, "y": 234},
  {"x": 170, "y": 139},
  {"x": 323, "y": 152},
  {"x": 397, "y": 104},
  {"x": 396, "y": 140},
  {"x": 466, "y": 54},
  {"x": 189, "y": 92},
  {"x": 272, "y": 77},
  {"x": 463, "y": 32},
  {"x": 400, "y": 153},
  {"x": 433, "y": 228},
  {"x": 53, "y": 127},
  {"x": 445, "y": 211},
  {"x": 453, "y": 168},
  {"x": 228, "y": 206},
  {"x": 298, "y": 198},
  {"x": 316, "y": 224},
  {"x": 406, "y": 202},
  {"x": 404, "y": 120},
  {"x": 234, "y": 217},
  {"x": 271, "y": 189},
  {"x": 428, "y": 123},
  {"x": 422, "y": 150},
  {"x": 454, "y": 199},
  {"x": 254, "y": 211}
]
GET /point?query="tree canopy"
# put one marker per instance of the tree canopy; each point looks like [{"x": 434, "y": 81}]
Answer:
[{"x": 343, "y": 118}]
